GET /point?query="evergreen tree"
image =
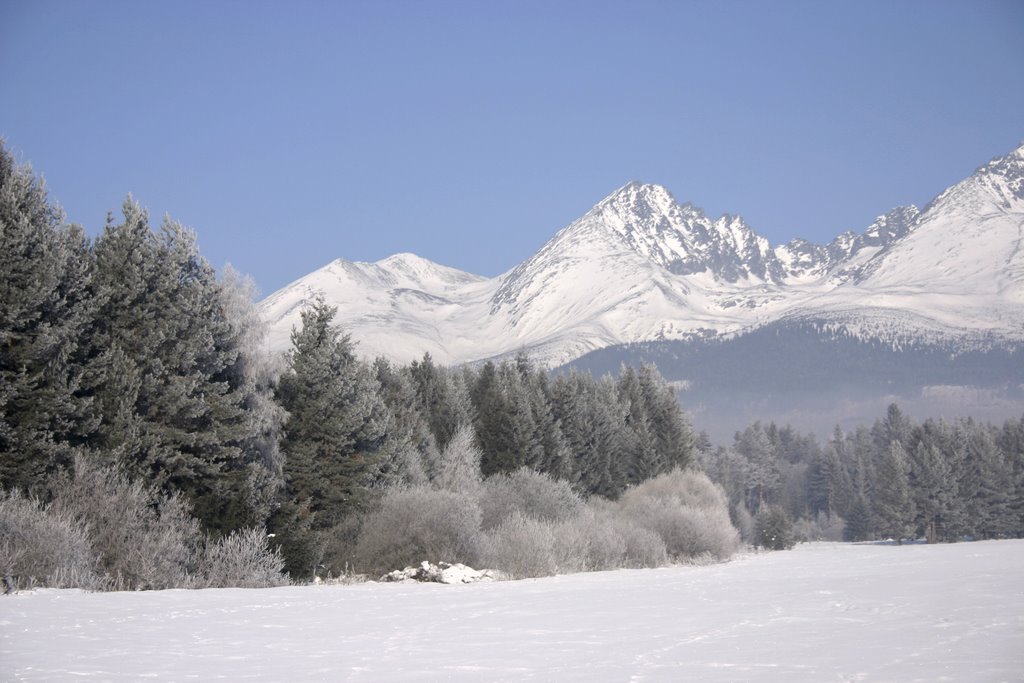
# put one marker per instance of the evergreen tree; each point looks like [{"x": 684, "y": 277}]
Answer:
[
  {"x": 46, "y": 305},
  {"x": 555, "y": 458},
  {"x": 986, "y": 485},
  {"x": 336, "y": 420},
  {"x": 593, "y": 426},
  {"x": 930, "y": 477},
  {"x": 893, "y": 505},
  {"x": 641, "y": 457},
  {"x": 173, "y": 391},
  {"x": 773, "y": 530},
  {"x": 443, "y": 399},
  {"x": 762, "y": 471},
  {"x": 410, "y": 454},
  {"x": 825, "y": 483}
]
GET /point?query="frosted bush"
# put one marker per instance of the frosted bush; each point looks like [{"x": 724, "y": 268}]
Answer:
[
  {"x": 531, "y": 494},
  {"x": 687, "y": 511},
  {"x": 416, "y": 524},
  {"x": 42, "y": 548},
  {"x": 144, "y": 540},
  {"x": 522, "y": 547},
  {"x": 459, "y": 466},
  {"x": 243, "y": 559},
  {"x": 588, "y": 542}
]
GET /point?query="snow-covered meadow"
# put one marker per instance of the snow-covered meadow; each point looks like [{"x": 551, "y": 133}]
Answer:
[{"x": 822, "y": 612}]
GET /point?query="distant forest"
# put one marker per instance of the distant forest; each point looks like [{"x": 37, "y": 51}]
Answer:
[{"x": 148, "y": 440}]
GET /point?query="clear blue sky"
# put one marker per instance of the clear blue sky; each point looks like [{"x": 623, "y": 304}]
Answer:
[{"x": 288, "y": 134}]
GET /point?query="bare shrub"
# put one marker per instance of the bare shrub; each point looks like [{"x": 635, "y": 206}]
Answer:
[
  {"x": 243, "y": 559},
  {"x": 643, "y": 547},
  {"x": 529, "y": 493},
  {"x": 416, "y": 524},
  {"x": 687, "y": 511},
  {"x": 41, "y": 548},
  {"x": 587, "y": 543},
  {"x": 144, "y": 540},
  {"x": 522, "y": 547}
]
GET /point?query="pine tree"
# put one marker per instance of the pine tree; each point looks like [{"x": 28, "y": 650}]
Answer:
[
  {"x": 930, "y": 476},
  {"x": 443, "y": 399},
  {"x": 673, "y": 436},
  {"x": 642, "y": 458},
  {"x": 336, "y": 420},
  {"x": 824, "y": 483},
  {"x": 858, "y": 521},
  {"x": 893, "y": 505},
  {"x": 46, "y": 305},
  {"x": 498, "y": 420},
  {"x": 773, "y": 530},
  {"x": 173, "y": 389},
  {"x": 762, "y": 472},
  {"x": 593, "y": 426},
  {"x": 410, "y": 454},
  {"x": 986, "y": 485}
]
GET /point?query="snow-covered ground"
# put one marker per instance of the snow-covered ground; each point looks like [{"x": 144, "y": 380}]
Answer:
[{"x": 822, "y": 612}]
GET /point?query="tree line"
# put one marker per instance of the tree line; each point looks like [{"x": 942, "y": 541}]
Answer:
[{"x": 939, "y": 480}]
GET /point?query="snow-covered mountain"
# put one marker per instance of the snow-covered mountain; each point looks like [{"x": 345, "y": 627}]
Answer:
[{"x": 641, "y": 267}]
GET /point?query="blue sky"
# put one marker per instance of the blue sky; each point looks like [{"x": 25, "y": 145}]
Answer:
[{"x": 290, "y": 134}]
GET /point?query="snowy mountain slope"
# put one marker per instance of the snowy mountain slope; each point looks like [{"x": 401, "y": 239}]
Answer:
[{"x": 641, "y": 267}]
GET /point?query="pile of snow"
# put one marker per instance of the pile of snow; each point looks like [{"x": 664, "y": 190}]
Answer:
[
  {"x": 443, "y": 572},
  {"x": 821, "y": 612}
]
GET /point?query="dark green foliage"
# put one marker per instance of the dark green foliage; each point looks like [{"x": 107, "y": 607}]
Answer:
[
  {"x": 442, "y": 397},
  {"x": 177, "y": 400},
  {"x": 593, "y": 427},
  {"x": 334, "y": 434},
  {"x": 858, "y": 521},
  {"x": 773, "y": 530},
  {"x": 46, "y": 306}
]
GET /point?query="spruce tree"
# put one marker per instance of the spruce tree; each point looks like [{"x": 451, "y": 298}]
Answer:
[
  {"x": 893, "y": 504},
  {"x": 336, "y": 420},
  {"x": 46, "y": 306},
  {"x": 175, "y": 398}
]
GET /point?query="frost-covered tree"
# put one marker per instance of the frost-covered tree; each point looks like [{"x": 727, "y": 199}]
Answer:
[
  {"x": 46, "y": 305},
  {"x": 459, "y": 469},
  {"x": 443, "y": 398},
  {"x": 893, "y": 504},
  {"x": 410, "y": 454},
  {"x": 762, "y": 468},
  {"x": 174, "y": 394},
  {"x": 593, "y": 425},
  {"x": 933, "y": 496}
]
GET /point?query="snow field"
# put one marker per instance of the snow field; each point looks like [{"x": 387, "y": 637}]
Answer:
[{"x": 822, "y": 612}]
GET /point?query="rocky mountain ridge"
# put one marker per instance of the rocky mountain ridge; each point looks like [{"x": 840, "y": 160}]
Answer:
[{"x": 641, "y": 267}]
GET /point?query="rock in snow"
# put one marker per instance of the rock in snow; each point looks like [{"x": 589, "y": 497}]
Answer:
[{"x": 442, "y": 572}]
